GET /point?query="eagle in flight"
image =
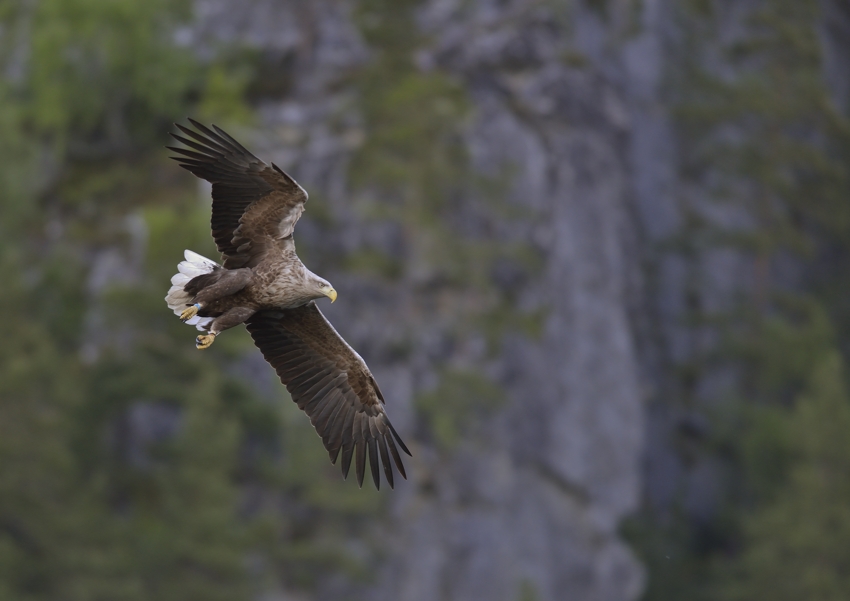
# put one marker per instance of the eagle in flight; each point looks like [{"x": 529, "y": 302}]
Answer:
[{"x": 262, "y": 283}]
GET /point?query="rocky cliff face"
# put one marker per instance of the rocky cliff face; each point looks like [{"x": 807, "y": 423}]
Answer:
[{"x": 564, "y": 116}]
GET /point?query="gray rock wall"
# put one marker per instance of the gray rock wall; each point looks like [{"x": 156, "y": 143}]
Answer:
[{"x": 564, "y": 98}]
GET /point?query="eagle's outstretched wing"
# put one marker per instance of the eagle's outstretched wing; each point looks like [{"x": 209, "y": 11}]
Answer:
[
  {"x": 254, "y": 206},
  {"x": 331, "y": 383}
]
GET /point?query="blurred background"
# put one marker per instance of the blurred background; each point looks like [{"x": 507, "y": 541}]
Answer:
[{"x": 596, "y": 252}]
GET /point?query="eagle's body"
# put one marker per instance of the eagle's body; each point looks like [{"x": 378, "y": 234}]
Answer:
[
  {"x": 261, "y": 282},
  {"x": 280, "y": 281}
]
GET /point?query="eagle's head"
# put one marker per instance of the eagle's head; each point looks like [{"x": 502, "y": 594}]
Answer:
[{"x": 322, "y": 287}]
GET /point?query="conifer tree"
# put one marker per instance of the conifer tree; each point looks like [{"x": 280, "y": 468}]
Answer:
[{"x": 796, "y": 547}]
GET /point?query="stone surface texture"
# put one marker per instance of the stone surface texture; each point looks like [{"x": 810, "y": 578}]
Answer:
[{"x": 566, "y": 98}]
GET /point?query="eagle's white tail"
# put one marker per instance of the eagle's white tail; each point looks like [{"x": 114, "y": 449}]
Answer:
[{"x": 177, "y": 298}]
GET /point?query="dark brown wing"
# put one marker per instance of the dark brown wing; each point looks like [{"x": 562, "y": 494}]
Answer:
[
  {"x": 331, "y": 383},
  {"x": 254, "y": 206}
]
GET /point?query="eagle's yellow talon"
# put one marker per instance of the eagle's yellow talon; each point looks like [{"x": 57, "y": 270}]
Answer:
[
  {"x": 189, "y": 312},
  {"x": 204, "y": 341}
]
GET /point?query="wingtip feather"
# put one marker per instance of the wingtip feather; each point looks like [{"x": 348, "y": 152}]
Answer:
[
  {"x": 400, "y": 441},
  {"x": 396, "y": 457},
  {"x": 373, "y": 463},
  {"x": 345, "y": 465},
  {"x": 385, "y": 459}
]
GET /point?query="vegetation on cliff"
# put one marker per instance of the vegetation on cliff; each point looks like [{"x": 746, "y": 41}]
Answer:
[
  {"x": 132, "y": 467},
  {"x": 763, "y": 136}
]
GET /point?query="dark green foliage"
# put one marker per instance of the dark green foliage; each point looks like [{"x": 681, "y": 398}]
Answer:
[
  {"x": 79, "y": 518},
  {"x": 783, "y": 348},
  {"x": 780, "y": 529},
  {"x": 796, "y": 545},
  {"x": 415, "y": 161},
  {"x": 673, "y": 554},
  {"x": 104, "y": 70},
  {"x": 412, "y": 152}
]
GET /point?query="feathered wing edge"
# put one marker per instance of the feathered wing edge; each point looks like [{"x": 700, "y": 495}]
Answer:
[
  {"x": 331, "y": 383},
  {"x": 253, "y": 202}
]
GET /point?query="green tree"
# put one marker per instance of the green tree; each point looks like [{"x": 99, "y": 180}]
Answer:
[
  {"x": 97, "y": 83},
  {"x": 761, "y": 136},
  {"x": 797, "y": 546}
]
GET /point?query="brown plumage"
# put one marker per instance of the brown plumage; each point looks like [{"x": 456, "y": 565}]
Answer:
[{"x": 261, "y": 282}]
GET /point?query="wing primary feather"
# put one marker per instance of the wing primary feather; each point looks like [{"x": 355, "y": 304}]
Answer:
[
  {"x": 338, "y": 415},
  {"x": 186, "y": 163},
  {"x": 331, "y": 433},
  {"x": 233, "y": 163},
  {"x": 312, "y": 405},
  {"x": 360, "y": 447},
  {"x": 374, "y": 430},
  {"x": 232, "y": 140},
  {"x": 203, "y": 153},
  {"x": 330, "y": 407},
  {"x": 192, "y": 144},
  {"x": 345, "y": 465},
  {"x": 238, "y": 188},
  {"x": 296, "y": 384},
  {"x": 372, "y": 439},
  {"x": 385, "y": 459},
  {"x": 360, "y": 465},
  {"x": 217, "y": 138},
  {"x": 347, "y": 430},
  {"x": 304, "y": 382},
  {"x": 312, "y": 380},
  {"x": 206, "y": 141},
  {"x": 321, "y": 403},
  {"x": 336, "y": 426},
  {"x": 210, "y": 134},
  {"x": 206, "y": 150},
  {"x": 288, "y": 363},
  {"x": 398, "y": 438},
  {"x": 320, "y": 400},
  {"x": 373, "y": 462},
  {"x": 334, "y": 454},
  {"x": 309, "y": 382},
  {"x": 221, "y": 171},
  {"x": 396, "y": 457},
  {"x": 226, "y": 170}
]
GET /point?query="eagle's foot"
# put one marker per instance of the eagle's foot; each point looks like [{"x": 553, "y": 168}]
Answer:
[
  {"x": 204, "y": 341},
  {"x": 189, "y": 312}
]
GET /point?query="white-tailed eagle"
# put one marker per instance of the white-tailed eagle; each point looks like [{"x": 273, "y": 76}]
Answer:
[{"x": 262, "y": 283}]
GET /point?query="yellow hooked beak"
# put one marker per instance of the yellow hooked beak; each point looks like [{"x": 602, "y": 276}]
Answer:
[{"x": 331, "y": 294}]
